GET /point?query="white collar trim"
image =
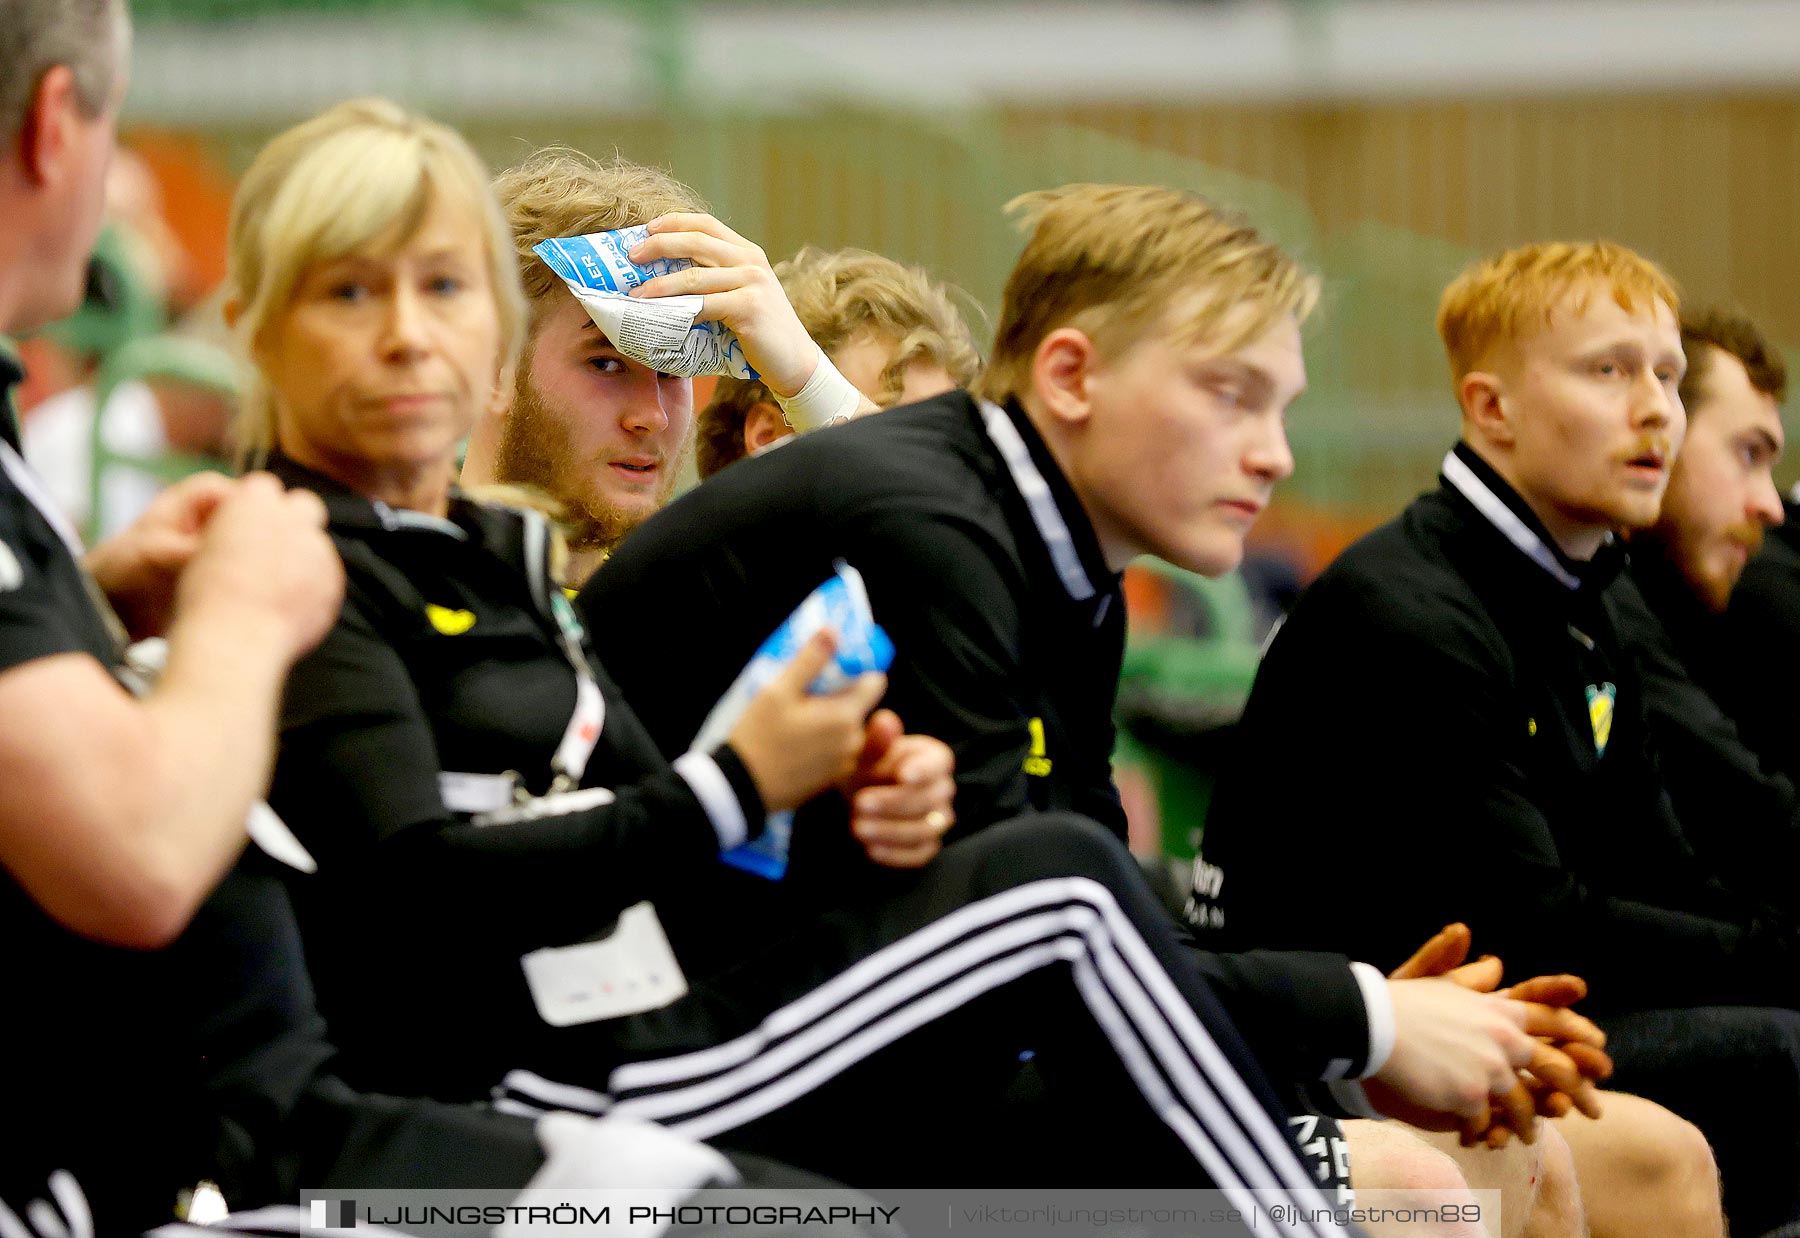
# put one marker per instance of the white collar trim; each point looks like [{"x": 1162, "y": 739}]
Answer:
[
  {"x": 1506, "y": 519},
  {"x": 1036, "y": 491}
]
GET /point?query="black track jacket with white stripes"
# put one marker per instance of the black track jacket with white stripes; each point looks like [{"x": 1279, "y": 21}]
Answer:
[
  {"x": 1449, "y": 728},
  {"x": 1008, "y": 629}
]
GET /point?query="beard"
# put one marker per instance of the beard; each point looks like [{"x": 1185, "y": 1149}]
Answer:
[
  {"x": 535, "y": 449},
  {"x": 1711, "y": 585}
]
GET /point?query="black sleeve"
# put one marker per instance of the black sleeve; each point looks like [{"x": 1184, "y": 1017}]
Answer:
[
  {"x": 1740, "y": 818},
  {"x": 34, "y": 614},
  {"x": 357, "y": 781},
  {"x": 1301, "y": 1012},
  {"x": 1416, "y": 812},
  {"x": 1759, "y": 667},
  {"x": 947, "y": 595}
]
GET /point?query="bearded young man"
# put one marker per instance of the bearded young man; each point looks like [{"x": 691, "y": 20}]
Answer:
[
  {"x": 1739, "y": 810},
  {"x": 605, "y": 436}
]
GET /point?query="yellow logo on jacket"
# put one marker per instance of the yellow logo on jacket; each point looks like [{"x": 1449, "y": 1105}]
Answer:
[
  {"x": 1600, "y": 699},
  {"x": 1037, "y": 764},
  {"x": 449, "y": 622}
]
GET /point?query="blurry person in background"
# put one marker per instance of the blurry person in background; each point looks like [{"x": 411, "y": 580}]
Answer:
[
  {"x": 603, "y": 435},
  {"x": 890, "y": 329},
  {"x": 1721, "y": 569},
  {"x": 1739, "y": 806}
]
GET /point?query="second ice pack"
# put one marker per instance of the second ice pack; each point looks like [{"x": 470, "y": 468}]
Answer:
[
  {"x": 841, "y": 604},
  {"x": 659, "y": 332}
]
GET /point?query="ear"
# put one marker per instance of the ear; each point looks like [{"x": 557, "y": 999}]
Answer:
[
  {"x": 44, "y": 132},
  {"x": 1484, "y": 407},
  {"x": 499, "y": 402},
  {"x": 762, "y": 426},
  {"x": 1062, "y": 370}
]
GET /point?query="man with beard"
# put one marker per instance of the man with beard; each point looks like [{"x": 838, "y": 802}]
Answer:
[
  {"x": 1733, "y": 613},
  {"x": 603, "y": 435},
  {"x": 1739, "y": 810}
]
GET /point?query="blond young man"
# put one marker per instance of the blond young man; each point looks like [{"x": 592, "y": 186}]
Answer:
[
  {"x": 1475, "y": 733},
  {"x": 890, "y": 329},
  {"x": 1147, "y": 350}
]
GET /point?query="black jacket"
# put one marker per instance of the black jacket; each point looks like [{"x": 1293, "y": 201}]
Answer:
[
  {"x": 1448, "y": 728},
  {"x": 994, "y": 638},
  {"x": 1756, "y": 676},
  {"x": 1741, "y": 817},
  {"x": 448, "y": 658}
]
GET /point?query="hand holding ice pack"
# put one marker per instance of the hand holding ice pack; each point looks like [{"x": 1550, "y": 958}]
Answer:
[
  {"x": 659, "y": 332},
  {"x": 841, "y": 604}
]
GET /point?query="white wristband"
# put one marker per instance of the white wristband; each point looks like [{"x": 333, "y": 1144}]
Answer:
[{"x": 827, "y": 398}]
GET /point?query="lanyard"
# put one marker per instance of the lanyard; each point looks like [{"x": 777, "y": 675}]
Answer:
[{"x": 496, "y": 799}]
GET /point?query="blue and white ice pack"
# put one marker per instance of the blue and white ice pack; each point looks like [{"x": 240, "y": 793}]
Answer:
[
  {"x": 841, "y": 604},
  {"x": 659, "y": 332}
]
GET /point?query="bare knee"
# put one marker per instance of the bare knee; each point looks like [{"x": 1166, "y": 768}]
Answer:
[
  {"x": 1640, "y": 1161},
  {"x": 1664, "y": 1151},
  {"x": 1392, "y": 1167},
  {"x": 1557, "y": 1207},
  {"x": 1385, "y": 1156}
]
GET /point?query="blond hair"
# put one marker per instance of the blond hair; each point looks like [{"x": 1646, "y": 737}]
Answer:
[
  {"x": 357, "y": 173},
  {"x": 839, "y": 295},
  {"x": 1114, "y": 261},
  {"x": 1509, "y": 296},
  {"x": 560, "y": 192}
]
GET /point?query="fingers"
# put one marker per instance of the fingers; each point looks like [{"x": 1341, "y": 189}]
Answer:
[
  {"x": 308, "y": 508},
  {"x": 1593, "y": 1063},
  {"x": 1481, "y": 976},
  {"x": 190, "y": 502},
  {"x": 797, "y": 676},
  {"x": 1447, "y": 949},
  {"x": 1561, "y": 990},
  {"x": 879, "y": 737},
  {"x": 923, "y": 758},
  {"x": 699, "y": 281},
  {"x": 734, "y": 305},
  {"x": 1550, "y": 1102},
  {"x": 694, "y": 221},
  {"x": 1516, "y": 1109},
  {"x": 1561, "y": 1024},
  {"x": 1560, "y": 1073},
  {"x": 928, "y": 827},
  {"x": 865, "y": 692},
  {"x": 907, "y": 801}
]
